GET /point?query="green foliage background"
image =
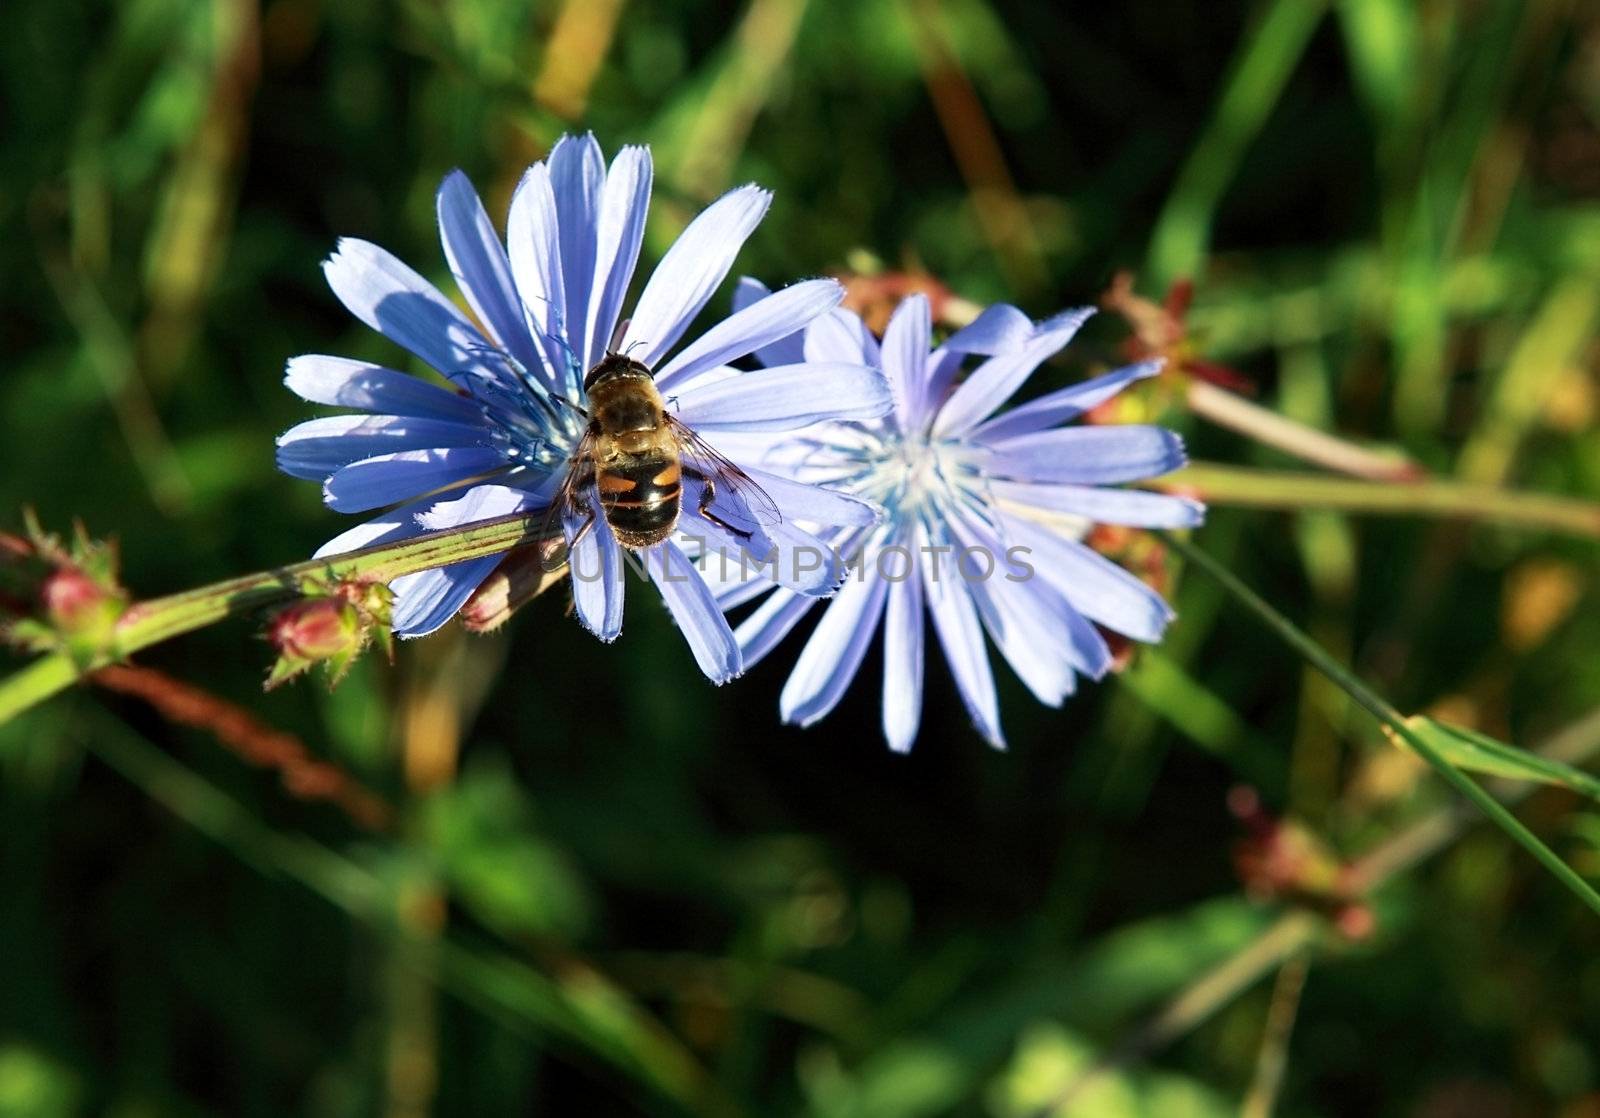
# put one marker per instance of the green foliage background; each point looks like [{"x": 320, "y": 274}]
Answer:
[{"x": 610, "y": 888}]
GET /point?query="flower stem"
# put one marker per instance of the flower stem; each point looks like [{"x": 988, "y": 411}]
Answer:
[
  {"x": 1286, "y": 489},
  {"x": 159, "y": 619},
  {"x": 1269, "y": 428},
  {"x": 1386, "y": 714}
]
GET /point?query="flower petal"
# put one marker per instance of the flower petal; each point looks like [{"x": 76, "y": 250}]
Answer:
[
  {"x": 956, "y": 622},
  {"x": 396, "y": 524},
  {"x": 478, "y": 261},
  {"x": 905, "y": 357},
  {"x": 784, "y": 351},
  {"x": 1000, "y": 328},
  {"x": 532, "y": 242},
  {"x": 786, "y": 397},
  {"x": 598, "y": 584},
  {"x": 842, "y": 338},
  {"x": 695, "y": 609},
  {"x": 343, "y": 383},
  {"x": 1066, "y": 404},
  {"x": 394, "y": 300},
  {"x": 743, "y": 332},
  {"x": 903, "y": 660},
  {"x": 577, "y": 173},
  {"x": 1029, "y": 628},
  {"x": 1086, "y": 455},
  {"x": 1105, "y": 506},
  {"x": 316, "y": 448},
  {"x": 834, "y": 653},
  {"x": 992, "y": 383},
  {"x": 426, "y": 600},
  {"x": 691, "y": 271},
  {"x": 764, "y": 629},
  {"x": 1093, "y": 584},
  {"x": 624, "y": 204},
  {"x": 375, "y": 482},
  {"x": 799, "y": 501}
]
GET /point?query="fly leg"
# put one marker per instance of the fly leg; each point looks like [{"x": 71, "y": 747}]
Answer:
[{"x": 709, "y": 494}]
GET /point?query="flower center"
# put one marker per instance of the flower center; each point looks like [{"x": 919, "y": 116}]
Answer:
[{"x": 914, "y": 474}]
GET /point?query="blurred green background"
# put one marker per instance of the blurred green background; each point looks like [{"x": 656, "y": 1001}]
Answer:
[{"x": 601, "y": 886}]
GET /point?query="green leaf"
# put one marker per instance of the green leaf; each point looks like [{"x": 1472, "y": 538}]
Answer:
[{"x": 1475, "y": 752}]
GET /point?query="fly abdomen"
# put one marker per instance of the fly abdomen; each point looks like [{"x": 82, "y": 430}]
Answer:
[{"x": 641, "y": 498}]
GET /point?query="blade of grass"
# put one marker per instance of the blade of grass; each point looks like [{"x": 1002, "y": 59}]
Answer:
[
  {"x": 1268, "y": 57},
  {"x": 1387, "y": 715}
]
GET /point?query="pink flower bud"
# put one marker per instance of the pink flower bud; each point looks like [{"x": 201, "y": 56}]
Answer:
[
  {"x": 74, "y": 602},
  {"x": 316, "y": 629}
]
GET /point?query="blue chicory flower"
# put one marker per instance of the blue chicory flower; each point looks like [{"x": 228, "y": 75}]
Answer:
[
  {"x": 499, "y": 439},
  {"x": 984, "y": 518}
]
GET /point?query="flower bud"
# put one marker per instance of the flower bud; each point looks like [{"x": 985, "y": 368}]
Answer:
[
  {"x": 315, "y": 631},
  {"x": 75, "y": 603}
]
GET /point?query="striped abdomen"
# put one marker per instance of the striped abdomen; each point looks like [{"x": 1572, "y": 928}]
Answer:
[{"x": 640, "y": 496}]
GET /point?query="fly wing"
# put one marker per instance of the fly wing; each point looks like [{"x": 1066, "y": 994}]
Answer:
[{"x": 727, "y": 478}]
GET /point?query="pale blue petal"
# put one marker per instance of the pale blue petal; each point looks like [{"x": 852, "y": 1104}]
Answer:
[
  {"x": 840, "y": 337},
  {"x": 598, "y": 581},
  {"x": 1105, "y": 506},
  {"x": 317, "y": 447},
  {"x": 478, "y": 261},
  {"x": 1093, "y": 584},
  {"x": 1086, "y": 455},
  {"x": 343, "y": 383},
  {"x": 804, "y": 562},
  {"x": 481, "y": 502},
  {"x": 691, "y": 271},
  {"x": 833, "y": 655},
  {"x": 771, "y": 319},
  {"x": 426, "y": 600},
  {"x": 784, "y": 351},
  {"x": 374, "y": 482},
  {"x": 905, "y": 357},
  {"x": 992, "y": 383},
  {"x": 624, "y": 204},
  {"x": 785, "y": 397},
  {"x": 577, "y": 173},
  {"x": 799, "y": 501},
  {"x": 999, "y": 329},
  {"x": 765, "y": 629},
  {"x": 394, "y": 300},
  {"x": 532, "y": 241},
  {"x": 1031, "y": 630},
  {"x": 903, "y": 659},
  {"x": 1064, "y": 405},
  {"x": 956, "y": 621},
  {"x": 695, "y": 609},
  {"x": 395, "y": 524}
]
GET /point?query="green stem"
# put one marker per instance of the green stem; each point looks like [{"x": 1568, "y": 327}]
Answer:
[
  {"x": 148, "y": 623},
  {"x": 1286, "y": 489},
  {"x": 1387, "y": 715}
]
